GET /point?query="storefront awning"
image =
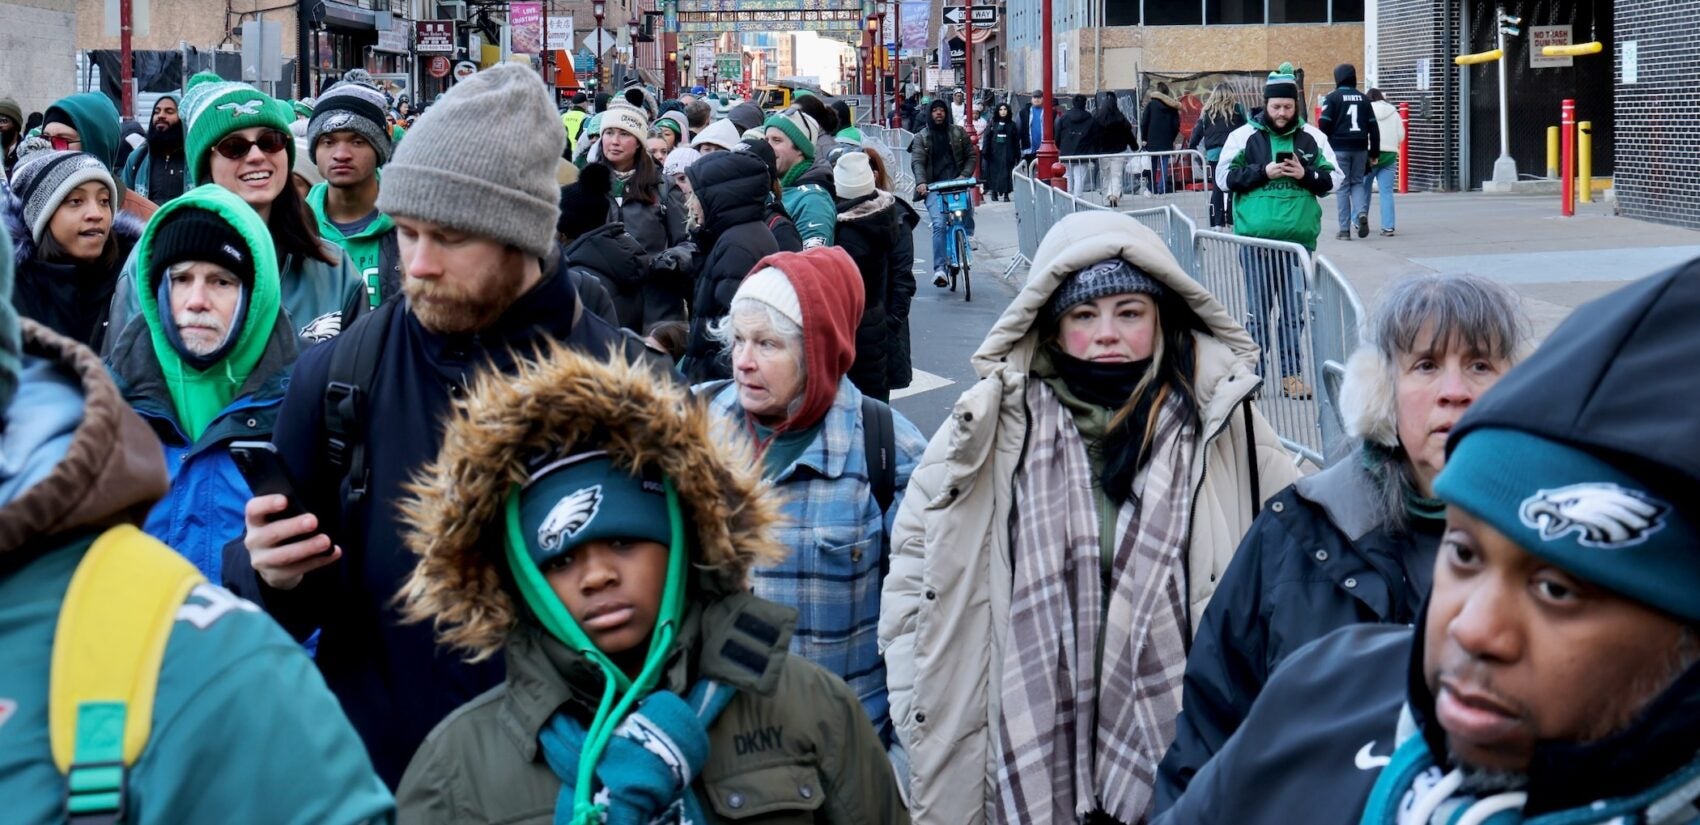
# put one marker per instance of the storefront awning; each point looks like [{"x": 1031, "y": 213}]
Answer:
[{"x": 343, "y": 14}]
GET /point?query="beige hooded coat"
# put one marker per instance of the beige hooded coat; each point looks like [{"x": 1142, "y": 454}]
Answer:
[{"x": 945, "y": 606}]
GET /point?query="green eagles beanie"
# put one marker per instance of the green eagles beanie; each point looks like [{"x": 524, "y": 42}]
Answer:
[{"x": 214, "y": 107}]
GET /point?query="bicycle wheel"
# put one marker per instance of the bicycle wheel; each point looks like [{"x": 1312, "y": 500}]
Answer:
[{"x": 963, "y": 259}]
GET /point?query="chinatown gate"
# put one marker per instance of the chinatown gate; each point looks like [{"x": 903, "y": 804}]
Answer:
[{"x": 691, "y": 21}]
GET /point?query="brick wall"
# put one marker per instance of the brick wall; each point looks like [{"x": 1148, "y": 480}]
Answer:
[
  {"x": 1658, "y": 160},
  {"x": 37, "y": 51},
  {"x": 1414, "y": 35}
]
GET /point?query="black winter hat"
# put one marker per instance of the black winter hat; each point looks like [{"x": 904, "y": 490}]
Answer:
[
  {"x": 585, "y": 205},
  {"x": 1345, "y": 74},
  {"x": 199, "y": 235},
  {"x": 762, "y": 150}
]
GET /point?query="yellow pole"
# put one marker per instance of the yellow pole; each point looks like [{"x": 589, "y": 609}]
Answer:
[
  {"x": 1585, "y": 160},
  {"x": 1552, "y": 151}
]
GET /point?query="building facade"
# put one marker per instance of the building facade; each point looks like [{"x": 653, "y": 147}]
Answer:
[
  {"x": 1111, "y": 44},
  {"x": 38, "y": 51}
]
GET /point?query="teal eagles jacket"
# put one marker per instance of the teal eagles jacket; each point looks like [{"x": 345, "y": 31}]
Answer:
[
  {"x": 808, "y": 200},
  {"x": 244, "y": 729}
]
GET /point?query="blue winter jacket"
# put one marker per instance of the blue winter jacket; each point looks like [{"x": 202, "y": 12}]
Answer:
[
  {"x": 838, "y": 539},
  {"x": 203, "y": 510}
]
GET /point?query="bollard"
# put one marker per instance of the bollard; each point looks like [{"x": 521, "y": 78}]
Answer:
[
  {"x": 1552, "y": 151},
  {"x": 1585, "y": 160},
  {"x": 1567, "y": 171},
  {"x": 1405, "y": 149}
]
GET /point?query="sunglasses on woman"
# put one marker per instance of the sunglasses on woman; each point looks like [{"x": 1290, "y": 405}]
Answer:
[
  {"x": 62, "y": 143},
  {"x": 236, "y": 147}
]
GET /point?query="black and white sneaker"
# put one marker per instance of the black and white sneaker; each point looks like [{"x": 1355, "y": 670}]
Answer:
[
  {"x": 939, "y": 279},
  {"x": 1363, "y": 224}
]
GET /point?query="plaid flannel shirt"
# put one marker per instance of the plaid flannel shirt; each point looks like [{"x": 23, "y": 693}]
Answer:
[{"x": 837, "y": 537}]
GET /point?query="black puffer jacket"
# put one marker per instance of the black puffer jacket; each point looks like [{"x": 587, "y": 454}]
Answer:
[
  {"x": 1071, "y": 127},
  {"x": 869, "y": 228},
  {"x": 1318, "y": 558},
  {"x": 733, "y": 190},
  {"x": 898, "y": 365},
  {"x": 69, "y": 298},
  {"x": 618, "y": 260}
]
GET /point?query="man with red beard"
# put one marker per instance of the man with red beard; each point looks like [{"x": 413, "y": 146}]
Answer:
[
  {"x": 482, "y": 287},
  {"x": 1551, "y": 676}
]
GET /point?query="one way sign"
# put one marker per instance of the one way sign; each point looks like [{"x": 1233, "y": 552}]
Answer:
[{"x": 985, "y": 17}]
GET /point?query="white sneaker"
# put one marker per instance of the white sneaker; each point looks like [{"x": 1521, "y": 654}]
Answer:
[{"x": 939, "y": 278}]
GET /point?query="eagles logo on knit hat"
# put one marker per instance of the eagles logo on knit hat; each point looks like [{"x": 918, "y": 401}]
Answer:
[
  {"x": 801, "y": 129},
  {"x": 214, "y": 107},
  {"x": 44, "y": 177},
  {"x": 354, "y": 105},
  {"x": 584, "y": 497},
  {"x": 1281, "y": 83},
  {"x": 1112, "y": 276},
  {"x": 1589, "y": 516},
  {"x": 627, "y": 118}
]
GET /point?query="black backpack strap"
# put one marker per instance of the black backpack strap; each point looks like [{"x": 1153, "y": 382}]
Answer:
[
  {"x": 353, "y": 371},
  {"x": 879, "y": 439}
]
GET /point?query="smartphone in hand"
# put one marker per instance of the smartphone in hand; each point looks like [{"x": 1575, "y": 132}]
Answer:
[
  {"x": 260, "y": 464},
  {"x": 1283, "y": 157}
]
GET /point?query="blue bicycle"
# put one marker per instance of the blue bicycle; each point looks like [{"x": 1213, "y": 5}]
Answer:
[{"x": 958, "y": 256}]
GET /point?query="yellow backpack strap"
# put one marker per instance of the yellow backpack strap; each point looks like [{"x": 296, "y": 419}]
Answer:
[{"x": 107, "y": 650}]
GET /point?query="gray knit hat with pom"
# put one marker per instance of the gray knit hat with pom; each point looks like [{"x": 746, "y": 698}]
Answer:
[{"x": 354, "y": 105}]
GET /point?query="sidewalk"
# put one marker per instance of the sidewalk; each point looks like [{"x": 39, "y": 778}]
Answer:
[{"x": 1554, "y": 263}]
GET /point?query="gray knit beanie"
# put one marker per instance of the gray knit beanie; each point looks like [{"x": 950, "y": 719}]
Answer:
[
  {"x": 44, "y": 177},
  {"x": 1112, "y": 276},
  {"x": 502, "y": 188},
  {"x": 354, "y": 105}
]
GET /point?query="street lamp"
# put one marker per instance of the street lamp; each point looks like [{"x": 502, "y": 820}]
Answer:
[
  {"x": 632, "y": 38},
  {"x": 598, "y": 8}
]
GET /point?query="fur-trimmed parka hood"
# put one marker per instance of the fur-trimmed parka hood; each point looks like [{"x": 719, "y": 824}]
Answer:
[{"x": 453, "y": 517}]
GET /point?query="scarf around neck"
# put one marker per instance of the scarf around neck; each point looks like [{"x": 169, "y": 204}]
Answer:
[
  {"x": 651, "y": 761},
  {"x": 1077, "y": 738}
]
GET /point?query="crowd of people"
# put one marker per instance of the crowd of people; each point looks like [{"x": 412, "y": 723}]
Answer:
[{"x": 551, "y": 477}]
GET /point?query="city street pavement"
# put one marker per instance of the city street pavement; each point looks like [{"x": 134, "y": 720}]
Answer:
[{"x": 1554, "y": 263}]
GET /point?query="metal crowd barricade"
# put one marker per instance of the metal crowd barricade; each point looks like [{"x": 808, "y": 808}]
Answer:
[
  {"x": 1266, "y": 285},
  {"x": 1336, "y": 315},
  {"x": 1128, "y": 177},
  {"x": 1027, "y": 231}
]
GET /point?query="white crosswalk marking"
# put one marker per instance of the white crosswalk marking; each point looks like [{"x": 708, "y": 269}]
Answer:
[{"x": 922, "y": 382}]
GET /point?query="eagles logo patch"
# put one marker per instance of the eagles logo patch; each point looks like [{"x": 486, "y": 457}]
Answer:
[
  {"x": 1602, "y": 515},
  {"x": 568, "y": 517},
  {"x": 338, "y": 121}
]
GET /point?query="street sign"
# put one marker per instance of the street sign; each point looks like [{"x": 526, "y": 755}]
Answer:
[
  {"x": 439, "y": 66},
  {"x": 560, "y": 33},
  {"x": 985, "y": 17},
  {"x": 729, "y": 64},
  {"x": 434, "y": 36},
  {"x": 465, "y": 69}
]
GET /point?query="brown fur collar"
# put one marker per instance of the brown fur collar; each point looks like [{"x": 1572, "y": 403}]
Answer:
[
  {"x": 114, "y": 471},
  {"x": 453, "y": 518}
]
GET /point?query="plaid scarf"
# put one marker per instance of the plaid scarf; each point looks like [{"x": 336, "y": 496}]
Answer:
[{"x": 1074, "y": 737}]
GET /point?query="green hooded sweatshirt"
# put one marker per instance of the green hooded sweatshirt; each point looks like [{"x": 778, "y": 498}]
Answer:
[
  {"x": 364, "y": 248},
  {"x": 199, "y": 396},
  {"x": 96, "y": 121}
]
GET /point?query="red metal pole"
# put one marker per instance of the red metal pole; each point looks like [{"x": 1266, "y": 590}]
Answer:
[
  {"x": 1045, "y": 160},
  {"x": 896, "y": 62},
  {"x": 1405, "y": 149},
  {"x": 1567, "y": 163},
  {"x": 126, "y": 102},
  {"x": 968, "y": 85},
  {"x": 670, "y": 56}
]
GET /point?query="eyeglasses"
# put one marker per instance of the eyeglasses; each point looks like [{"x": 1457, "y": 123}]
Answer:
[
  {"x": 236, "y": 147},
  {"x": 61, "y": 143}
]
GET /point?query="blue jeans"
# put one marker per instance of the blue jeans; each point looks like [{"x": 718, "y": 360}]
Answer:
[
  {"x": 1269, "y": 281},
  {"x": 1354, "y": 200},
  {"x": 1386, "y": 177},
  {"x": 936, "y": 215}
]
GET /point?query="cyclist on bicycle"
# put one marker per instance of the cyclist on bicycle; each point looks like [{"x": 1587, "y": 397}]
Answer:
[{"x": 940, "y": 152}]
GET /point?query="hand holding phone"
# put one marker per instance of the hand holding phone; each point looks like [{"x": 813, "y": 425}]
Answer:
[{"x": 281, "y": 536}]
